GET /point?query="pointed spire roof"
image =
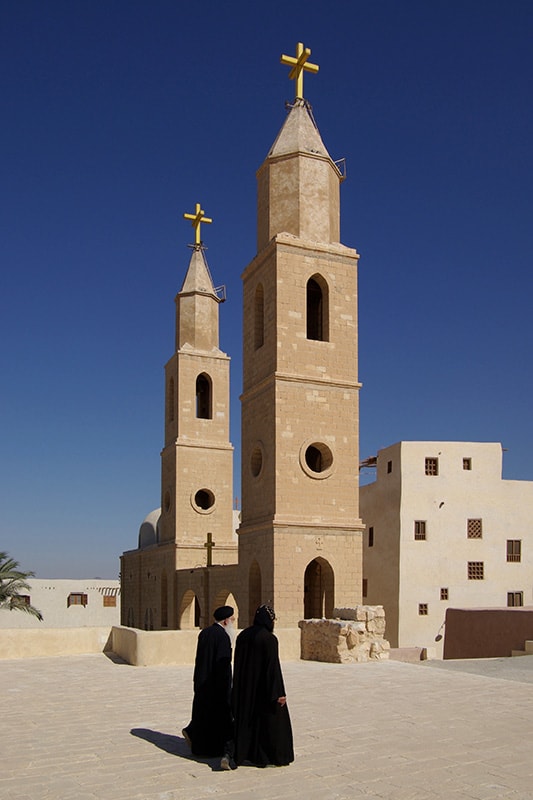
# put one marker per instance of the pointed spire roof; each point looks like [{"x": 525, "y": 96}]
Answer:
[
  {"x": 298, "y": 184},
  {"x": 198, "y": 279},
  {"x": 299, "y": 134}
]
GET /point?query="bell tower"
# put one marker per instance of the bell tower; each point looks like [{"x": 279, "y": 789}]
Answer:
[
  {"x": 196, "y": 461},
  {"x": 300, "y": 541}
]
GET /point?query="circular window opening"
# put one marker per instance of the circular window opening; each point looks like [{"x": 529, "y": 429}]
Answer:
[
  {"x": 256, "y": 461},
  {"x": 204, "y": 499},
  {"x": 317, "y": 460},
  {"x": 166, "y": 502}
]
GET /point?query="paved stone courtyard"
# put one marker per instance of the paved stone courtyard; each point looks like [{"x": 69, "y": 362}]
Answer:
[{"x": 87, "y": 728}]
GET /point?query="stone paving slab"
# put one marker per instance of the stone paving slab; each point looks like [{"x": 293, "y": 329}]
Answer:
[{"x": 86, "y": 728}]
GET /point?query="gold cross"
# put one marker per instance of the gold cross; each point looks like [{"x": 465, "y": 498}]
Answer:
[
  {"x": 299, "y": 65},
  {"x": 197, "y": 219},
  {"x": 209, "y": 544}
]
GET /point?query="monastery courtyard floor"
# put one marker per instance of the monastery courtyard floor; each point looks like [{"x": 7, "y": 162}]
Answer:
[{"x": 86, "y": 728}]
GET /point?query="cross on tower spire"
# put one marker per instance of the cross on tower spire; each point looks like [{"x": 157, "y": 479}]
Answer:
[
  {"x": 299, "y": 65},
  {"x": 197, "y": 218}
]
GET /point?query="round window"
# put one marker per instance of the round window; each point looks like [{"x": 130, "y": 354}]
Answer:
[
  {"x": 316, "y": 459},
  {"x": 256, "y": 461},
  {"x": 204, "y": 500}
]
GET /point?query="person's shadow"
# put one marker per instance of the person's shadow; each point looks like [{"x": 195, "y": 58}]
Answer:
[{"x": 174, "y": 745}]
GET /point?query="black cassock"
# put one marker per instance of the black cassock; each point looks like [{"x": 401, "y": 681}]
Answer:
[
  {"x": 211, "y": 726},
  {"x": 263, "y": 733}
]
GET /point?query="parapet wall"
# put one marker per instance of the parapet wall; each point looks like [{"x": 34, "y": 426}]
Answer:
[
  {"x": 486, "y": 632},
  {"x": 136, "y": 647},
  {"x": 20, "y": 643},
  {"x": 149, "y": 648}
]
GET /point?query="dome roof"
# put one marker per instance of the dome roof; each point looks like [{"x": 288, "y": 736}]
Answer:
[{"x": 149, "y": 530}]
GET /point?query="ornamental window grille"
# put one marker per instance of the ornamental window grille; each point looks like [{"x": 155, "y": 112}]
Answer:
[
  {"x": 474, "y": 529},
  {"x": 476, "y": 570},
  {"x": 432, "y": 466}
]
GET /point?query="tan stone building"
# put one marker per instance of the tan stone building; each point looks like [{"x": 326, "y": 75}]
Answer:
[
  {"x": 300, "y": 536},
  {"x": 443, "y": 530}
]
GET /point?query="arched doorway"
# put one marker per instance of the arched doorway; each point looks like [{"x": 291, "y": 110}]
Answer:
[
  {"x": 149, "y": 619},
  {"x": 319, "y": 589},
  {"x": 254, "y": 590},
  {"x": 189, "y": 611}
]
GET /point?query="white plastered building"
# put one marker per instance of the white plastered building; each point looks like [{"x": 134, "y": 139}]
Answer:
[
  {"x": 443, "y": 529},
  {"x": 67, "y": 603}
]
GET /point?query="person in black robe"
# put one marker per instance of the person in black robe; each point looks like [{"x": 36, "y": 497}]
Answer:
[
  {"x": 210, "y": 731},
  {"x": 263, "y": 732}
]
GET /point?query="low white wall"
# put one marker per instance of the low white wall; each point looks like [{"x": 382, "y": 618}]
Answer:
[
  {"x": 136, "y": 647},
  {"x": 149, "y": 648},
  {"x": 20, "y": 643}
]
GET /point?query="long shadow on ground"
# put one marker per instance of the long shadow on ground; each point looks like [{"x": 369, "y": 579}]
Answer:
[{"x": 174, "y": 745}]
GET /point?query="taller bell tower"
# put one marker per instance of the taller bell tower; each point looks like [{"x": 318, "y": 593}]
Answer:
[{"x": 300, "y": 536}]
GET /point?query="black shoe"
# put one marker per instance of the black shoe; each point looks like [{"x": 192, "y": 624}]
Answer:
[
  {"x": 186, "y": 737},
  {"x": 227, "y": 762}
]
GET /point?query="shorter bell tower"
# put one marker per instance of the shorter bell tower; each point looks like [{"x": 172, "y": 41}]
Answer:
[{"x": 197, "y": 459}]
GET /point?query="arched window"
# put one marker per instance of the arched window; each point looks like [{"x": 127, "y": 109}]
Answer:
[
  {"x": 203, "y": 397},
  {"x": 164, "y": 600},
  {"x": 317, "y": 309},
  {"x": 259, "y": 317},
  {"x": 170, "y": 401}
]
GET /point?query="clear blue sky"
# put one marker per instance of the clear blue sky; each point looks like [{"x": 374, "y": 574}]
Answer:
[{"x": 119, "y": 115}]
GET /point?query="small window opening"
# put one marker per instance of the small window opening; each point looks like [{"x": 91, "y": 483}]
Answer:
[
  {"x": 514, "y": 550},
  {"x": 317, "y": 310},
  {"x": 515, "y": 599},
  {"x": 476, "y": 570},
  {"x": 203, "y": 397},
  {"x": 259, "y": 318},
  {"x": 420, "y": 529},
  {"x": 432, "y": 466},
  {"x": 474, "y": 529},
  {"x": 76, "y": 599}
]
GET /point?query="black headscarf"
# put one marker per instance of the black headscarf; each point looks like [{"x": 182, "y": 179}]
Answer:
[{"x": 264, "y": 617}]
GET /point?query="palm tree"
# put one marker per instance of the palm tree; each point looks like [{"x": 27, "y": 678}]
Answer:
[{"x": 12, "y": 583}]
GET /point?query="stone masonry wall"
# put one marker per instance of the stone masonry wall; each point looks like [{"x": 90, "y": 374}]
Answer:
[{"x": 354, "y": 635}]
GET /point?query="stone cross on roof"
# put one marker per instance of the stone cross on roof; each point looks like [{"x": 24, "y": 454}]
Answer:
[
  {"x": 197, "y": 218},
  {"x": 209, "y": 546},
  {"x": 299, "y": 66}
]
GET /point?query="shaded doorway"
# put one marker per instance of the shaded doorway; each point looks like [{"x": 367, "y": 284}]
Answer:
[
  {"x": 319, "y": 589},
  {"x": 189, "y": 611},
  {"x": 254, "y": 590}
]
